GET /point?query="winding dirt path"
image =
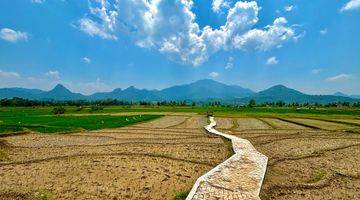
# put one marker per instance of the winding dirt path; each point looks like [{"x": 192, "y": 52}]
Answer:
[{"x": 239, "y": 177}]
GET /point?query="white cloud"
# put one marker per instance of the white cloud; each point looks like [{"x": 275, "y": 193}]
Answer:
[
  {"x": 86, "y": 60},
  {"x": 340, "y": 77},
  {"x": 316, "y": 71},
  {"x": 214, "y": 74},
  {"x": 218, "y": 5},
  {"x": 324, "y": 31},
  {"x": 101, "y": 20},
  {"x": 230, "y": 63},
  {"x": 170, "y": 27},
  {"x": 289, "y": 8},
  {"x": 272, "y": 61},
  {"x": 5, "y": 74},
  {"x": 95, "y": 29},
  {"x": 38, "y": 1},
  {"x": 272, "y": 36},
  {"x": 351, "y": 5},
  {"x": 53, "y": 75},
  {"x": 12, "y": 36}
]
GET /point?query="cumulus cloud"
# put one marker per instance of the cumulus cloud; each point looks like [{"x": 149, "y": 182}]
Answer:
[
  {"x": 340, "y": 77},
  {"x": 214, "y": 74},
  {"x": 101, "y": 20},
  {"x": 93, "y": 28},
  {"x": 12, "y": 35},
  {"x": 218, "y": 5},
  {"x": 86, "y": 60},
  {"x": 272, "y": 61},
  {"x": 272, "y": 36},
  {"x": 170, "y": 27},
  {"x": 351, "y": 5},
  {"x": 53, "y": 75}
]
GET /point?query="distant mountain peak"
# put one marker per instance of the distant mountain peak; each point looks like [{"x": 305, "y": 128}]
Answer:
[
  {"x": 60, "y": 88},
  {"x": 279, "y": 91},
  {"x": 340, "y": 94},
  {"x": 205, "y": 80},
  {"x": 131, "y": 88},
  {"x": 280, "y": 86}
]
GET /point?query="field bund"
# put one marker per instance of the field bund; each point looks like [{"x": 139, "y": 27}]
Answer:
[{"x": 239, "y": 177}]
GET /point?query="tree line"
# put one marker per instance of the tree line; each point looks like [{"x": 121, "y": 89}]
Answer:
[{"x": 20, "y": 102}]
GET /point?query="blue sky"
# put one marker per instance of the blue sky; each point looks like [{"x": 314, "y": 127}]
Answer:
[{"x": 99, "y": 45}]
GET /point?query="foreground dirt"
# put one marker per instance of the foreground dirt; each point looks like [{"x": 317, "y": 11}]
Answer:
[
  {"x": 147, "y": 161},
  {"x": 307, "y": 163}
]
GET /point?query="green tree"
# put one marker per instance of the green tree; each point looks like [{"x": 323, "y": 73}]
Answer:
[
  {"x": 59, "y": 110},
  {"x": 252, "y": 103}
]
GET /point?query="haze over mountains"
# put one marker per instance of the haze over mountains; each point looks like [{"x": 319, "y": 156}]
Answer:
[{"x": 202, "y": 90}]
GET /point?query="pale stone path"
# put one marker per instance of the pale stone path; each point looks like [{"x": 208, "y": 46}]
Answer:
[{"x": 239, "y": 177}]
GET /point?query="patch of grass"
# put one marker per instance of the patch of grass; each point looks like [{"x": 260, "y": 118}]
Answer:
[
  {"x": 44, "y": 194},
  {"x": 39, "y": 122},
  {"x": 317, "y": 176},
  {"x": 181, "y": 195},
  {"x": 10, "y": 128},
  {"x": 223, "y": 111}
]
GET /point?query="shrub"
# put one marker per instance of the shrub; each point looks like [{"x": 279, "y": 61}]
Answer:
[
  {"x": 59, "y": 110},
  {"x": 96, "y": 108},
  {"x": 181, "y": 195},
  {"x": 80, "y": 108}
]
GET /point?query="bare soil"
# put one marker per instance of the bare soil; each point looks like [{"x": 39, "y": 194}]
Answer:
[
  {"x": 279, "y": 124},
  {"x": 308, "y": 163},
  {"x": 250, "y": 124},
  {"x": 323, "y": 124},
  {"x": 153, "y": 160},
  {"x": 224, "y": 123}
]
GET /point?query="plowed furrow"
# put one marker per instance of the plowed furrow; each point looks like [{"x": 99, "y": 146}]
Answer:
[{"x": 103, "y": 154}]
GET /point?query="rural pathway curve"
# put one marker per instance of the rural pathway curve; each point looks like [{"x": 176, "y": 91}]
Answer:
[{"x": 239, "y": 177}]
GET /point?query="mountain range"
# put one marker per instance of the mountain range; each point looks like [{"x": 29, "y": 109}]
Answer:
[
  {"x": 199, "y": 91},
  {"x": 340, "y": 94}
]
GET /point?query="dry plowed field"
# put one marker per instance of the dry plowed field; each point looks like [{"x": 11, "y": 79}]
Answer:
[
  {"x": 326, "y": 125},
  {"x": 153, "y": 160},
  {"x": 306, "y": 163}
]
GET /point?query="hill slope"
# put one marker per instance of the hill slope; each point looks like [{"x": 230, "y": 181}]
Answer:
[{"x": 288, "y": 95}]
